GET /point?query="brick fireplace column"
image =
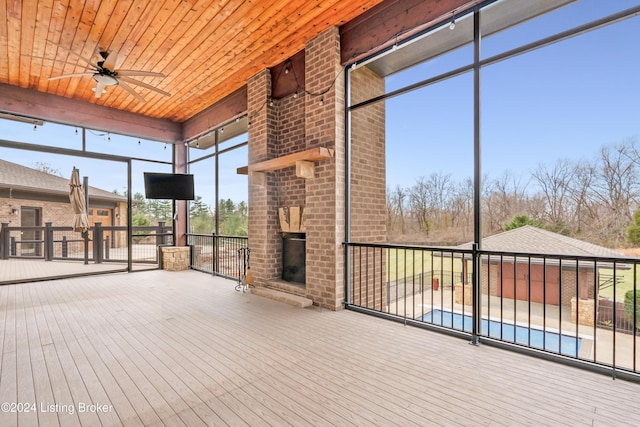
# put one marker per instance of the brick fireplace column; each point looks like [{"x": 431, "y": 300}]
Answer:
[
  {"x": 288, "y": 126},
  {"x": 324, "y": 123},
  {"x": 264, "y": 237}
]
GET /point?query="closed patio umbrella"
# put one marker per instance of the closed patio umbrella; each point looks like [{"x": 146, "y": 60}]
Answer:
[{"x": 76, "y": 196}]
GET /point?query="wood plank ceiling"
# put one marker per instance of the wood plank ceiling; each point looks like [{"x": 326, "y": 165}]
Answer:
[{"x": 206, "y": 49}]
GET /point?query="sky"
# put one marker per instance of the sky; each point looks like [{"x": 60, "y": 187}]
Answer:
[{"x": 564, "y": 101}]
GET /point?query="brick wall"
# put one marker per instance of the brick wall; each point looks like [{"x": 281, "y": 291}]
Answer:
[
  {"x": 58, "y": 213},
  {"x": 264, "y": 237},
  {"x": 368, "y": 183},
  {"x": 290, "y": 139},
  {"x": 324, "y": 125},
  {"x": 290, "y": 125}
]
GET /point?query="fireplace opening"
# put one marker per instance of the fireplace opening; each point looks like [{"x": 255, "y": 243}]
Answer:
[{"x": 294, "y": 257}]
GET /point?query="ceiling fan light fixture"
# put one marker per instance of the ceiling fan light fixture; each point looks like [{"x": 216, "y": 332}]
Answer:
[{"x": 105, "y": 79}]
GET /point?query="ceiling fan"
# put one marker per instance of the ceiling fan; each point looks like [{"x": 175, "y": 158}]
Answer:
[{"x": 105, "y": 74}]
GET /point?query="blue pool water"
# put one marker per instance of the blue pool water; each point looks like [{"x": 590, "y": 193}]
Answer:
[{"x": 536, "y": 338}]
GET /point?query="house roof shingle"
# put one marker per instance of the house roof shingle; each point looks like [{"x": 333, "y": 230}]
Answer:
[
  {"x": 530, "y": 239},
  {"x": 18, "y": 177}
]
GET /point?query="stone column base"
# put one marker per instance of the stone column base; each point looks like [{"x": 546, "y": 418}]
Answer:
[
  {"x": 175, "y": 258},
  {"x": 583, "y": 311},
  {"x": 458, "y": 294}
]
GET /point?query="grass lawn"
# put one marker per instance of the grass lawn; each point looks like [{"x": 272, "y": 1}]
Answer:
[
  {"x": 403, "y": 263},
  {"x": 625, "y": 283},
  {"x": 412, "y": 262}
]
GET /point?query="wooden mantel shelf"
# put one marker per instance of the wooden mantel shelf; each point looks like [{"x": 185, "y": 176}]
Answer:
[{"x": 296, "y": 159}]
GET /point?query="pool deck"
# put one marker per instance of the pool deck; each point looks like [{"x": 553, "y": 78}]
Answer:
[
  {"x": 598, "y": 344},
  {"x": 183, "y": 348}
]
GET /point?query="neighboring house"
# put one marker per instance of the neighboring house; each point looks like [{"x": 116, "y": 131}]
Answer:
[
  {"x": 517, "y": 278},
  {"x": 29, "y": 197}
]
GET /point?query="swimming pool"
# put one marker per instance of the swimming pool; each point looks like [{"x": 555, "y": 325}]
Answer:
[{"x": 536, "y": 338}]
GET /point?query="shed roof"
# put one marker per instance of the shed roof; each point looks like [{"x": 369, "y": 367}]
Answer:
[
  {"x": 530, "y": 239},
  {"x": 18, "y": 177}
]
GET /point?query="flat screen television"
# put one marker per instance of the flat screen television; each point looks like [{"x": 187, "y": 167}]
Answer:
[{"x": 174, "y": 186}]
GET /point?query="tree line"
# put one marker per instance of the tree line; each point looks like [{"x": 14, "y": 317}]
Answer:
[
  {"x": 593, "y": 200},
  {"x": 233, "y": 217}
]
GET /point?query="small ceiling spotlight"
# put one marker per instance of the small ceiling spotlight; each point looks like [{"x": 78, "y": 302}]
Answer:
[
  {"x": 286, "y": 70},
  {"x": 452, "y": 25},
  {"x": 35, "y": 128},
  {"x": 322, "y": 101},
  {"x": 197, "y": 144},
  {"x": 76, "y": 131},
  {"x": 221, "y": 130},
  {"x": 271, "y": 103}
]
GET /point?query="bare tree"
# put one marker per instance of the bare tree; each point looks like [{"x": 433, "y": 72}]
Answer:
[
  {"x": 615, "y": 189},
  {"x": 430, "y": 198},
  {"x": 504, "y": 198},
  {"x": 396, "y": 209},
  {"x": 555, "y": 186}
]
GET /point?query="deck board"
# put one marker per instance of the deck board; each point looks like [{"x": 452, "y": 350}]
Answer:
[{"x": 183, "y": 348}]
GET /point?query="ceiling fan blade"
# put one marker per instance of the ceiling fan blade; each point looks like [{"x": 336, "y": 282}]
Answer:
[
  {"x": 139, "y": 83},
  {"x": 129, "y": 89},
  {"x": 138, "y": 73},
  {"x": 57, "y": 60},
  {"x": 87, "y": 73},
  {"x": 99, "y": 89},
  {"x": 110, "y": 61},
  {"x": 88, "y": 61}
]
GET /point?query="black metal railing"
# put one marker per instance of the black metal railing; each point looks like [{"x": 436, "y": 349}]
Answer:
[
  {"x": 100, "y": 244},
  {"x": 547, "y": 303},
  {"x": 216, "y": 254}
]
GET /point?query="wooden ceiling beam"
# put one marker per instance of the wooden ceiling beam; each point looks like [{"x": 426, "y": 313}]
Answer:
[
  {"x": 52, "y": 108},
  {"x": 217, "y": 115},
  {"x": 393, "y": 21}
]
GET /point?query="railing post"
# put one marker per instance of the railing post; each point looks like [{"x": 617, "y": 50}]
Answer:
[
  {"x": 215, "y": 251},
  {"x": 160, "y": 237},
  {"x": 65, "y": 247},
  {"x": 97, "y": 243},
  {"x": 106, "y": 247},
  {"x": 475, "y": 293},
  {"x": 48, "y": 241},
  {"x": 14, "y": 246},
  {"x": 4, "y": 241}
]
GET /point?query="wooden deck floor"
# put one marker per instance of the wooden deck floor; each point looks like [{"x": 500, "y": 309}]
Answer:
[
  {"x": 15, "y": 270},
  {"x": 183, "y": 348}
]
